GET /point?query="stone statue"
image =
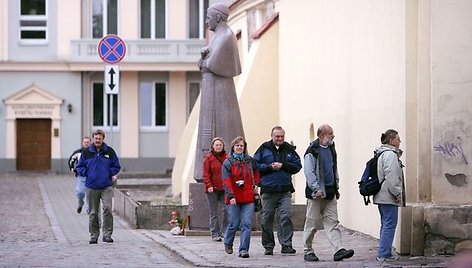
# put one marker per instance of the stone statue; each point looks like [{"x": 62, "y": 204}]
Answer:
[{"x": 219, "y": 109}]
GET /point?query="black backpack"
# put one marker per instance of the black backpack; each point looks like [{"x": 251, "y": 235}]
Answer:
[{"x": 369, "y": 183}]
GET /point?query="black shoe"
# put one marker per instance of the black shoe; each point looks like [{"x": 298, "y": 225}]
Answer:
[
  {"x": 107, "y": 239},
  {"x": 93, "y": 240},
  {"x": 310, "y": 257},
  {"x": 343, "y": 254},
  {"x": 229, "y": 249},
  {"x": 269, "y": 251},
  {"x": 244, "y": 255},
  {"x": 288, "y": 250},
  {"x": 79, "y": 209}
]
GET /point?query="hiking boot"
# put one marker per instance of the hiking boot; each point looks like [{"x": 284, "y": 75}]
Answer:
[
  {"x": 310, "y": 257},
  {"x": 229, "y": 249},
  {"x": 288, "y": 250},
  {"x": 107, "y": 239},
  {"x": 269, "y": 251},
  {"x": 343, "y": 254},
  {"x": 243, "y": 254},
  {"x": 79, "y": 209},
  {"x": 93, "y": 240}
]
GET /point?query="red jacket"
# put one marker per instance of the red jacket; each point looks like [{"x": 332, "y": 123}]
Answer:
[
  {"x": 212, "y": 171},
  {"x": 234, "y": 170}
]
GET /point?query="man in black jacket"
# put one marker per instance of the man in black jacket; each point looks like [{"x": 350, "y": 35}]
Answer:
[
  {"x": 80, "y": 181},
  {"x": 277, "y": 161},
  {"x": 322, "y": 193}
]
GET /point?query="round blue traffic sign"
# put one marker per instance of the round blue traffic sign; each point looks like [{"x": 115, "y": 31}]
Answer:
[{"x": 111, "y": 49}]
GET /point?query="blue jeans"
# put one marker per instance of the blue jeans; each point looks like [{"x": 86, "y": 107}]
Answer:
[
  {"x": 388, "y": 221},
  {"x": 80, "y": 192},
  {"x": 216, "y": 201},
  {"x": 240, "y": 213},
  {"x": 282, "y": 202}
]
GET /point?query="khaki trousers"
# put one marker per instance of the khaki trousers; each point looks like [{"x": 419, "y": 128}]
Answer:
[{"x": 321, "y": 213}]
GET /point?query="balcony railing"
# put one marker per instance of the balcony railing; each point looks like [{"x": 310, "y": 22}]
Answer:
[{"x": 143, "y": 50}]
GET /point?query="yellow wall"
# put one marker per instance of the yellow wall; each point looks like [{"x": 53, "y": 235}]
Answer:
[
  {"x": 177, "y": 19},
  {"x": 177, "y": 109},
  {"x": 129, "y": 128},
  {"x": 69, "y": 27},
  {"x": 343, "y": 63},
  {"x": 129, "y": 27},
  {"x": 258, "y": 90}
]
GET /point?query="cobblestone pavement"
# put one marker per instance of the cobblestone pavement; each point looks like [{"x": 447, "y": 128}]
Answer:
[{"x": 40, "y": 228}]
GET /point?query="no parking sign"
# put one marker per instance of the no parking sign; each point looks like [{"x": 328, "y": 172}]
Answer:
[{"x": 112, "y": 50}]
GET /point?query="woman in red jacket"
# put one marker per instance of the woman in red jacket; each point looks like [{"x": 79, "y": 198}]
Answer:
[
  {"x": 214, "y": 187},
  {"x": 240, "y": 179}
]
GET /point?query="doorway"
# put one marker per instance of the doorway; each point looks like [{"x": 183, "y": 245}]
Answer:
[{"x": 33, "y": 144}]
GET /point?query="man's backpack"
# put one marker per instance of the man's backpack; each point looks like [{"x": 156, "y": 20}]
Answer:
[{"x": 369, "y": 183}]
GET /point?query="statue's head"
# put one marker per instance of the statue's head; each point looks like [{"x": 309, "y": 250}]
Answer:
[{"x": 215, "y": 14}]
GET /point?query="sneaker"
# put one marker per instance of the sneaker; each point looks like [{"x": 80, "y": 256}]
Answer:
[
  {"x": 216, "y": 239},
  {"x": 310, "y": 257},
  {"x": 229, "y": 249},
  {"x": 343, "y": 254},
  {"x": 243, "y": 254},
  {"x": 390, "y": 258},
  {"x": 269, "y": 251},
  {"x": 79, "y": 209},
  {"x": 288, "y": 250},
  {"x": 107, "y": 239},
  {"x": 93, "y": 240}
]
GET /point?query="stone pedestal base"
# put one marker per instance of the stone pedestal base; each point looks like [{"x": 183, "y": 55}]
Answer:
[{"x": 198, "y": 207}]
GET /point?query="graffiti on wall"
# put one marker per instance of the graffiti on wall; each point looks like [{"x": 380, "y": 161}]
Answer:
[{"x": 452, "y": 149}]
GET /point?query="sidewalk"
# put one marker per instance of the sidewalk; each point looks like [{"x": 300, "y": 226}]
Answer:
[
  {"x": 40, "y": 228},
  {"x": 203, "y": 252}
]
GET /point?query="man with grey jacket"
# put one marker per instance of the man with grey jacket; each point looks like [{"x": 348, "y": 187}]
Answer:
[{"x": 322, "y": 192}]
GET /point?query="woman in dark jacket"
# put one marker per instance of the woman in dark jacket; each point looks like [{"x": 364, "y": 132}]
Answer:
[
  {"x": 240, "y": 180},
  {"x": 214, "y": 187}
]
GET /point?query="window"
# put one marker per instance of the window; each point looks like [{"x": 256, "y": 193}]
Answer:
[
  {"x": 33, "y": 22},
  {"x": 197, "y": 14},
  {"x": 193, "y": 91},
  {"x": 101, "y": 106},
  {"x": 153, "y": 104},
  {"x": 104, "y": 18},
  {"x": 153, "y": 19}
]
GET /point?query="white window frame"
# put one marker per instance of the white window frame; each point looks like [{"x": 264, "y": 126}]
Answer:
[
  {"x": 105, "y": 18},
  {"x": 153, "y": 18},
  {"x": 33, "y": 28},
  {"x": 106, "y": 110},
  {"x": 201, "y": 19},
  {"x": 153, "y": 127}
]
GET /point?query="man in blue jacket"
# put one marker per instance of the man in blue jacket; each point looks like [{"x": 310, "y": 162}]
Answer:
[
  {"x": 100, "y": 165},
  {"x": 277, "y": 161}
]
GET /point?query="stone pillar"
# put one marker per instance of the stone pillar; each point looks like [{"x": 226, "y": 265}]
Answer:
[{"x": 417, "y": 230}]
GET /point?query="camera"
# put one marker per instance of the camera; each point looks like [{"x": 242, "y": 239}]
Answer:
[{"x": 240, "y": 183}]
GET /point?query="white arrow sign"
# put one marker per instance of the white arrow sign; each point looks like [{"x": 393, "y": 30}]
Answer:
[{"x": 112, "y": 79}]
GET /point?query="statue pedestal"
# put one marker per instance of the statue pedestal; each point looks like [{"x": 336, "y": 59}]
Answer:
[{"x": 198, "y": 209}]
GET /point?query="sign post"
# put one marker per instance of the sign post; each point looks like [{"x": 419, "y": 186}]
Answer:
[{"x": 112, "y": 50}]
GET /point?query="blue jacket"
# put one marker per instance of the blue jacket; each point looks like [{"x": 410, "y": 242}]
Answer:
[
  {"x": 98, "y": 167},
  {"x": 277, "y": 180}
]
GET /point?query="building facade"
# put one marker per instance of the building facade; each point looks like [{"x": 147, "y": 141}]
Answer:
[
  {"x": 364, "y": 67},
  {"x": 52, "y": 79}
]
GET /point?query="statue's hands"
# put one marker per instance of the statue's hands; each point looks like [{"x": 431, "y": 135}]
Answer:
[{"x": 204, "y": 52}]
